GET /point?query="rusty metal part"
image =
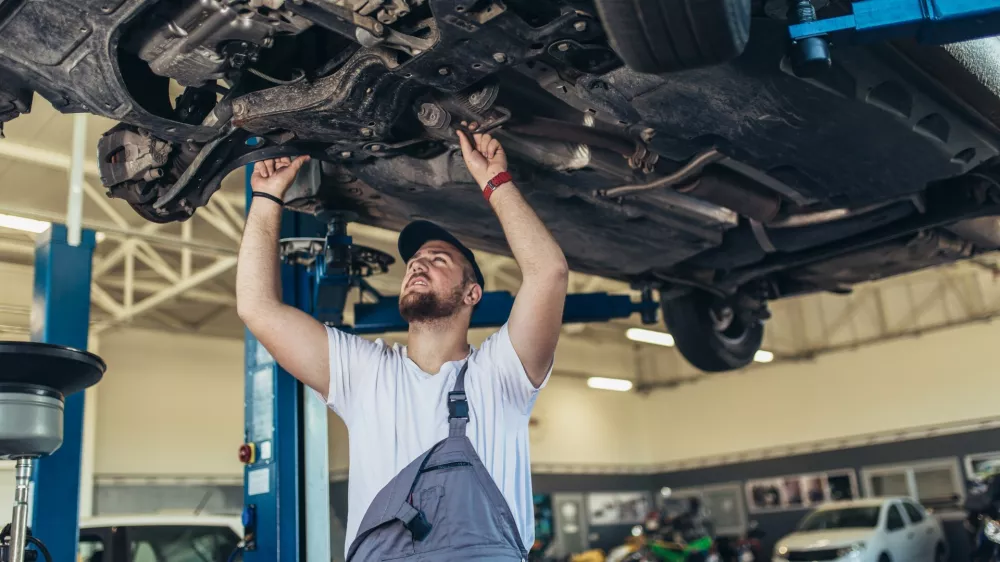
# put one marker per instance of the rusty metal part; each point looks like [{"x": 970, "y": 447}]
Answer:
[
  {"x": 643, "y": 159},
  {"x": 481, "y": 99},
  {"x": 733, "y": 191},
  {"x": 187, "y": 47},
  {"x": 362, "y": 94},
  {"x": 571, "y": 132},
  {"x": 130, "y": 155},
  {"x": 337, "y": 18},
  {"x": 697, "y": 164},
  {"x": 819, "y": 217},
  {"x": 433, "y": 116}
]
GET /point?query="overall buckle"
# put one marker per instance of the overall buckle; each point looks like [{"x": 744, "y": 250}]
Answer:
[{"x": 458, "y": 406}]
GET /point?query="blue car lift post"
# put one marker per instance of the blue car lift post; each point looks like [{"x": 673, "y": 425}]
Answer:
[
  {"x": 928, "y": 21},
  {"x": 60, "y": 315},
  {"x": 286, "y": 479},
  {"x": 286, "y": 490}
]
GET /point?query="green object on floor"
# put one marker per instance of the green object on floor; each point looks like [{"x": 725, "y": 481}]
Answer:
[{"x": 671, "y": 552}]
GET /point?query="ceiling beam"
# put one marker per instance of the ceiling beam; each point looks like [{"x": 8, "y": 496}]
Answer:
[
  {"x": 24, "y": 249},
  {"x": 220, "y": 266},
  {"x": 44, "y": 157},
  {"x": 165, "y": 241},
  {"x": 150, "y": 287}
]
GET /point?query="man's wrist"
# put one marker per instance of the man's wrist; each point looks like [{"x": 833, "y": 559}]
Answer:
[
  {"x": 273, "y": 197},
  {"x": 494, "y": 182}
]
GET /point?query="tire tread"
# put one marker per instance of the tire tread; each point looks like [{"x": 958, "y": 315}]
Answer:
[{"x": 656, "y": 36}]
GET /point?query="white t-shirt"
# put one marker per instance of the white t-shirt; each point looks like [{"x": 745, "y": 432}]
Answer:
[{"x": 395, "y": 412}]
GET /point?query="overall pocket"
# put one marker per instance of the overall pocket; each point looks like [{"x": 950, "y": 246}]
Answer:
[{"x": 428, "y": 500}]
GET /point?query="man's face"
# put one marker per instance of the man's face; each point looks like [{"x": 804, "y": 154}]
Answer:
[{"x": 435, "y": 285}]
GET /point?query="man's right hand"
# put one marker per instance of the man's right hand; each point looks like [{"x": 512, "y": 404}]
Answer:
[{"x": 275, "y": 175}]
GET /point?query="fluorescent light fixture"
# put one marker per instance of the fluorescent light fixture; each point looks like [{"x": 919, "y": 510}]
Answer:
[
  {"x": 650, "y": 336},
  {"x": 601, "y": 383},
  {"x": 763, "y": 356},
  {"x": 20, "y": 223}
]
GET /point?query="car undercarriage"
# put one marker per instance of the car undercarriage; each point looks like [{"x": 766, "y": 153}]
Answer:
[{"x": 724, "y": 178}]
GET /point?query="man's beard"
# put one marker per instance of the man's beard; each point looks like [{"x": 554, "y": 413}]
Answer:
[{"x": 427, "y": 307}]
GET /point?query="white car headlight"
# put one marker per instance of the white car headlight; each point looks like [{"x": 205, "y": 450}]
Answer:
[
  {"x": 780, "y": 550},
  {"x": 854, "y": 549}
]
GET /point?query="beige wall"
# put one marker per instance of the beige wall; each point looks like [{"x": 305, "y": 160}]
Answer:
[
  {"x": 169, "y": 404},
  {"x": 173, "y": 404},
  {"x": 577, "y": 425},
  {"x": 936, "y": 379}
]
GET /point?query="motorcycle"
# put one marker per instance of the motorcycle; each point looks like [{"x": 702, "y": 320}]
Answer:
[
  {"x": 982, "y": 506},
  {"x": 656, "y": 547}
]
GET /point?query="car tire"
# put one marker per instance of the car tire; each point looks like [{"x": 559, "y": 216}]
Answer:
[
  {"x": 884, "y": 558},
  {"x": 708, "y": 336},
  {"x": 941, "y": 553},
  {"x": 659, "y": 36}
]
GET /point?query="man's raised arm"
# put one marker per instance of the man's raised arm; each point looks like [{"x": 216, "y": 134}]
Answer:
[
  {"x": 536, "y": 319},
  {"x": 296, "y": 340}
]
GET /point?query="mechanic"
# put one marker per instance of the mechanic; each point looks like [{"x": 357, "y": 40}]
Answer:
[{"x": 419, "y": 479}]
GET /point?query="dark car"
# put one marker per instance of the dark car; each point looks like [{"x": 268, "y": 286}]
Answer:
[{"x": 673, "y": 144}]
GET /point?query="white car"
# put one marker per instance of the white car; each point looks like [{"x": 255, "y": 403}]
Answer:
[
  {"x": 868, "y": 530},
  {"x": 159, "y": 538}
]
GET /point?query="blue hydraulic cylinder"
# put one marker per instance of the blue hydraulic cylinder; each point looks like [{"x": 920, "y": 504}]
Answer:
[
  {"x": 494, "y": 309},
  {"x": 928, "y": 21},
  {"x": 286, "y": 483},
  {"x": 60, "y": 314}
]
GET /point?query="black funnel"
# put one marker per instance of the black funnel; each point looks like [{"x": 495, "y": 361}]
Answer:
[{"x": 63, "y": 369}]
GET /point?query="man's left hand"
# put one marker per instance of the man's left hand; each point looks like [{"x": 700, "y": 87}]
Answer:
[{"x": 485, "y": 159}]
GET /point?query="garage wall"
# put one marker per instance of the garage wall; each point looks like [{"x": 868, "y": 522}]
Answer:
[
  {"x": 173, "y": 405},
  {"x": 169, "y": 404},
  {"x": 936, "y": 379},
  {"x": 576, "y": 425}
]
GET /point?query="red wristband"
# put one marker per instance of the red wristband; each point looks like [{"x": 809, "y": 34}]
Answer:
[{"x": 495, "y": 183}]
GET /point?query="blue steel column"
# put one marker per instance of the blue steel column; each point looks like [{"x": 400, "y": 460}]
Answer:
[
  {"x": 60, "y": 314},
  {"x": 288, "y": 484}
]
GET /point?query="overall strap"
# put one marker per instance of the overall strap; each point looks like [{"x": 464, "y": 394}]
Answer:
[{"x": 458, "y": 406}]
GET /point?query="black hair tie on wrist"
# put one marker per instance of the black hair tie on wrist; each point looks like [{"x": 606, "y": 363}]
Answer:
[{"x": 268, "y": 196}]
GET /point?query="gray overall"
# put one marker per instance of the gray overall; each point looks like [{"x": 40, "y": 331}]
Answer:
[{"x": 444, "y": 506}]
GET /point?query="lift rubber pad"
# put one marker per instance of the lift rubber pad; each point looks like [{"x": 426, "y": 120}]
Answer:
[{"x": 63, "y": 369}]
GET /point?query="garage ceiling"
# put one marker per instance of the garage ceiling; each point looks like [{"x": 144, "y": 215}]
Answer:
[{"x": 181, "y": 277}]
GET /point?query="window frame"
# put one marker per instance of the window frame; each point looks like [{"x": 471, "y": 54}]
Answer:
[
  {"x": 588, "y": 498},
  {"x": 736, "y": 488},
  {"x": 969, "y": 459},
  {"x": 909, "y": 471},
  {"x": 824, "y": 475},
  {"x": 919, "y": 509},
  {"x": 889, "y": 507}
]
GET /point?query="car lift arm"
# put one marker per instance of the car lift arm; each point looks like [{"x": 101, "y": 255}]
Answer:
[
  {"x": 929, "y": 21},
  {"x": 338, "y": 266}
]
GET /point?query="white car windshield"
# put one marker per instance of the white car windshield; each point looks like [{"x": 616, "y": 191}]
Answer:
[{"x": 846, "y": 518}]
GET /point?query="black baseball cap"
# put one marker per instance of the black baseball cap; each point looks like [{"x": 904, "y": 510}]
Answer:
[{"x": 418, "y": 233}]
